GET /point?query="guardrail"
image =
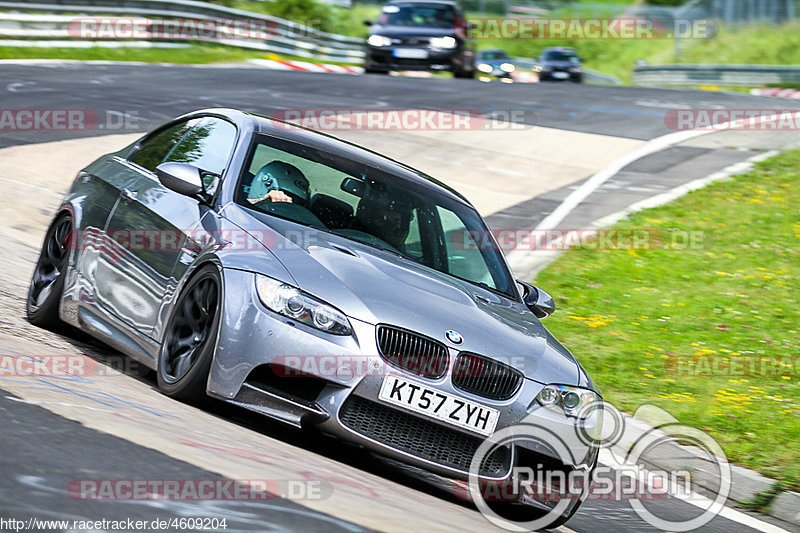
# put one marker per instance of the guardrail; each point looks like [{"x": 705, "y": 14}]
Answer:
[
  {"x": 726, "y": 75},
  {"x": 286, "y": 37}
]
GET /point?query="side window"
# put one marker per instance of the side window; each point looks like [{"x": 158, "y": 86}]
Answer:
[
  {"x": 207, "y": 146},
  {"x": 153, "y": 150}
]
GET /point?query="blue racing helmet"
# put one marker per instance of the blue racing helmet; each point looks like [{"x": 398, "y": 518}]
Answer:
[{"x": 278, "y": 175}]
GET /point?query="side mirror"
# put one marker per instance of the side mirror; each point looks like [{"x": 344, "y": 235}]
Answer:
[
  {"x": 182, "y": 178},
  {"x": 367, "y": 23},
  {"x": 537, "y": 300}
]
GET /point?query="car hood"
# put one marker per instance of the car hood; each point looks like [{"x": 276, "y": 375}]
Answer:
[
  {"x": 378, "y": 287},
  {"x": 405, "y": 31}
]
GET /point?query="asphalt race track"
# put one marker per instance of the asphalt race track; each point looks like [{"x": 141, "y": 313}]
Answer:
[{"x": 116, "y": 425}]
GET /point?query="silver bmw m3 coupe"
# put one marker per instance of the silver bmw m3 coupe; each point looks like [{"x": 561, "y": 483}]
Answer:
[{"x": 317, "y": 283}]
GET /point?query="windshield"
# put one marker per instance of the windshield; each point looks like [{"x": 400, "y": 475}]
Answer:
[
  {"x": 493, "y": 54},
  {"x": 328, "y": 192},
  {"x": 418, "y": 15},
  {"x": 559, "y": 55}
]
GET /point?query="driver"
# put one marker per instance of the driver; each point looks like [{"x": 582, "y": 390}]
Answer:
[{"x": 279, "y": 182}]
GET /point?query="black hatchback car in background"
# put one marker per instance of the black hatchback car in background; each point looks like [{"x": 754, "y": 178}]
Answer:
[
  {"x": 560, "y": 63},
  {"x": 420, "y": 35}
]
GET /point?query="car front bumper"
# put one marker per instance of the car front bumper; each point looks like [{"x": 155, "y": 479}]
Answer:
[
  {"x": 560, "y": 75},
  {"x": 386, "y": 58}
]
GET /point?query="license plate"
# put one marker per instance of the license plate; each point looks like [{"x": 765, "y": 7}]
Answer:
[
  {"x": 410, "y": 53},
  {"x": 418, "y": 397},
  {"x": 560, "y": 75}
]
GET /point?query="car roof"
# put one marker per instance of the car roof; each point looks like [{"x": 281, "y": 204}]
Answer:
[{"x": 276, "y": 128}]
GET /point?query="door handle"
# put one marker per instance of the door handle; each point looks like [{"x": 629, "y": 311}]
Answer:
[{"x": 129, "y": 195}]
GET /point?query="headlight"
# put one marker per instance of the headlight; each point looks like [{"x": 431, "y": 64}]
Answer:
[
  {"x": 378, "y": 40},
  {"x": 566, "y": 399},
  {"x": 484, "y": 67},
  {"x": 507, "y": 67},
  {"x": 297, "y": 305},
  {"x": 443, "y": 42},
  {"x": 574, "y": 69}
]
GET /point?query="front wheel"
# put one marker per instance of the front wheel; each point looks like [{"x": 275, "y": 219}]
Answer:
[
  {"x": 47, "y": 282},
  {"x": 464, "y": 73},
  {"x": 187, "y": 349}
]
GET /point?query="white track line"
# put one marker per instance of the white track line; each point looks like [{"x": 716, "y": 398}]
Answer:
[
  {"x": 609, "y": 458},
  {"x": 534, "y": 261},
  {"x": 518, "y": 258}
]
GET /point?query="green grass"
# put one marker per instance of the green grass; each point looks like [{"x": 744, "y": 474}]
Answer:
[
  {"x": 628, "y": 314},
  {"x": 344, "y": 21}
]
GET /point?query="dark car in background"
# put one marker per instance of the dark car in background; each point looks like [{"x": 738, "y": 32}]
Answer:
[
  {"x": 560, "y": 64},
  {"x": 421, "y": 35},
  {"x": 494, "y": 63}
]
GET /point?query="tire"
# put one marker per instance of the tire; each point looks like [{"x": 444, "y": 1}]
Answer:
[
  {"x": 464, "y": 73},
  {"x": 47, "y": 282},
  {"x": 369, "y": 69},
  {"x": 187, "y": 348}
]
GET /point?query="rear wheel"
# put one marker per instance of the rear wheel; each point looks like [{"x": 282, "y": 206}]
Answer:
[
  {"x": 47, "y": 283},
  {"x": 190, "y": 337}
]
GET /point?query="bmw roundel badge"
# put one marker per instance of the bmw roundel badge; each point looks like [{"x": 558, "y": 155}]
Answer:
[{"x": 454, "y": 336}]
